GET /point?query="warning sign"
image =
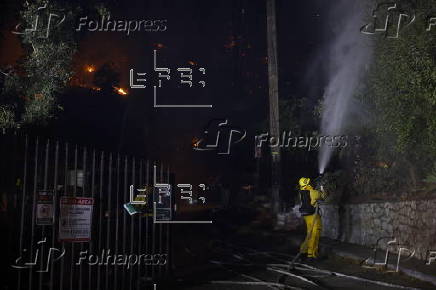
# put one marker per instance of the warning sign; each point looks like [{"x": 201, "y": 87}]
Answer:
[
  {"x": 44, "y": 208},
  {"x": 75, "y": 219}
]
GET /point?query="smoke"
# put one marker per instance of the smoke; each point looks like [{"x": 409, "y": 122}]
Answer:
[{"x": 347, "y": 54}]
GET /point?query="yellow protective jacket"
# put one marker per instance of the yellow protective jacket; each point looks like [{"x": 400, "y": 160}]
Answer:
[
  {"x": 313, "y": 224},
  {"x": 315, "y": 195}
]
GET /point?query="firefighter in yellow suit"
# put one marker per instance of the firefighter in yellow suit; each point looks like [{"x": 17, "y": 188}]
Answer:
[{"x": 309, "y": 210}]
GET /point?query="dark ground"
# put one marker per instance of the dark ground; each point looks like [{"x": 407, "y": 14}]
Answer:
[{"x": 234, "y": 253}]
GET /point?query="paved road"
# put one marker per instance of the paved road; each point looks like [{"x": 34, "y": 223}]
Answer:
[
  {"x": 239, "y": 267},
  {"x": 208, "y": 258}
]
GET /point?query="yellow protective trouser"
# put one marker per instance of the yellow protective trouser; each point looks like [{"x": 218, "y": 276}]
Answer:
[{"x": 313, "y": 228}]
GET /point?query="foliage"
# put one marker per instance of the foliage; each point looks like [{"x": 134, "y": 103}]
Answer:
[
  {"x": 403, "y": 87},
  {"x": 7, "y": 117},
  {"x": 334, "y": 185},
  {"x": 46, "y": 67},
  {"x": 29, "y": 91},
  {"x": 107, "y": 76},
  {"x": 401, "y": 92},
  {"x": 431, "y": 177}
]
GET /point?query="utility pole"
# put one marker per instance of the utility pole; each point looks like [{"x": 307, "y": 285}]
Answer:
[{"x": 273, "y": 102}]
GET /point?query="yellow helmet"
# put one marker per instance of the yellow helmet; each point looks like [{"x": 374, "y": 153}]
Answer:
[{"x": 304, "y": 181}]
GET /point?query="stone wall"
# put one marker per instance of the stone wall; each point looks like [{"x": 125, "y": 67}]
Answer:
[{"x": 412, "y": 223}]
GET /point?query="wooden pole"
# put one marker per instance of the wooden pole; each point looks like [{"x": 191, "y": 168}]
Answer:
[{"x": 273, "y": 102}]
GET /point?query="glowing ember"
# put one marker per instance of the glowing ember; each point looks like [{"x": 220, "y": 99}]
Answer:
[
  {"x": 192, "y": 62},
  {"x": 94, "y": 88},
  {"x": 196, "y": 142},
  {"x": 90, "y": 68},
  {"x": 120, "y": 91}
]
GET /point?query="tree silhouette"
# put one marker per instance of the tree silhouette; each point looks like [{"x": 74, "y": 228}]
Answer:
[{"x": 106, "y": 77}]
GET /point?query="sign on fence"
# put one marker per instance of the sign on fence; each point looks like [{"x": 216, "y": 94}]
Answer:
[
  {"x": 44, "y": 208},
  {"x": 162, "y": 200},
  {"x": 75, "y": 219}
]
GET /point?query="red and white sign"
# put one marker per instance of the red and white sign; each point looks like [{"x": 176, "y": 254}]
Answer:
[
  {"x": 75, "y": 222},
  {"x": 44, "y": 208}
]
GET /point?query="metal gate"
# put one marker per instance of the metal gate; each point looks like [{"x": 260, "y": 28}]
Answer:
[{"x": 124, "y": 251}]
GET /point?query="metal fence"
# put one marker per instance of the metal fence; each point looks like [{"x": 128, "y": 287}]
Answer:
[{"x": 57, "y": 169}]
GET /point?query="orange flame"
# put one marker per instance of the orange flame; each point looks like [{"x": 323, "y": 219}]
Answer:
[
  {"x": 90, "y": 68},
  {"x": 121, "y": 91},
  {"x": 196, "y": 142}
]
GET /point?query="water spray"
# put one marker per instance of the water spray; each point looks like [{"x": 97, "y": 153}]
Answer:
[
  {"x": 347, "y": 56},
  {"x": 321, "y": 171},
  {"x": 319, "y": 182}
]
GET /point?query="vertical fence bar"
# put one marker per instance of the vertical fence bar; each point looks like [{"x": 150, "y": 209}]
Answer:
[
  {"x": 23, "y": 202},
  {"x": 100, "y": 203},
  {"x": 85, "y": 151},
  {"x": 75, "y": 170},
  {"x": 140, "y": 184},
  {"x": 147, "y": 234},
  {"x": 91, "y": 244},
  {"x": 124, "y": 219},
  {"x": 109, "y": 209},
  {"x": 61, "y": 280},
  {"x": 55, "y": 201},
  {"x": 47, "y": 148},
  {"x": 132, "y": 223},
  {"x": 35, "y": 185},
  {"x": 168, "y": 226},
  {"x": 117, "y": 213},
  {"x": 153, "y": 234},
  {"x": 73, "y": 244},
  {"x": 161, "y": 180}
]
